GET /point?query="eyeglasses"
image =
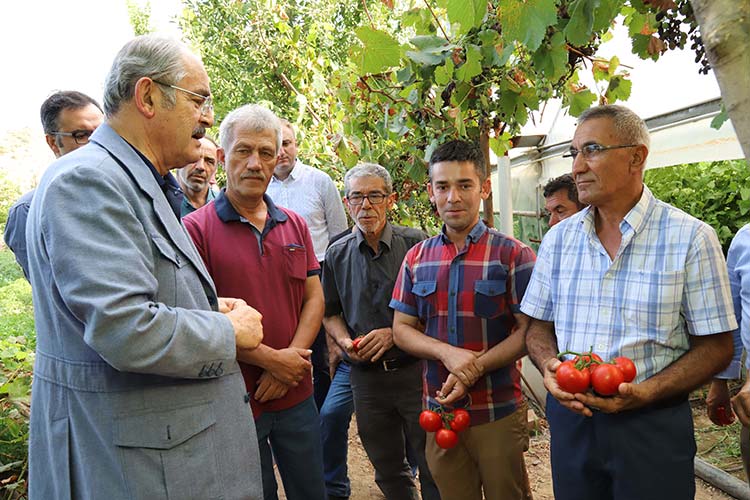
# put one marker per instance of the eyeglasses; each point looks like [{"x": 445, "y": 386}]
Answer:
[
  {"x": 374, "y": 198},
  {"x": 80, "y": 136},
  {"x": 590, "y": 151},
  {"x": 208, "y": 101}
]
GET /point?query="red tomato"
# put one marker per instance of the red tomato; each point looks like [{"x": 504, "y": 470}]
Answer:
[
  {"x": 571, "y": 379},
  {"x": 590, "y": 360},
  {"x": 627, "y": 367},
  {"x": 461, "y": 420},
  {"x": 355, "y": 343},
  {"x": 725, "y": 415},
  {"x": 446, "y": 438},
  {"x": 430, "y": 421},
  {"x": 606, "y": 378}
]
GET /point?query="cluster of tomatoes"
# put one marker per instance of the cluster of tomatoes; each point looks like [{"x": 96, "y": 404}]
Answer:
[
  {"x": 445, "y": 424},
  {"x": 587, "y": 370}
]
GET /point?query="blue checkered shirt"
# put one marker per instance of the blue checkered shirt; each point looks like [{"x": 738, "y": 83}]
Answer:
[{"x": 667, "y": 280}]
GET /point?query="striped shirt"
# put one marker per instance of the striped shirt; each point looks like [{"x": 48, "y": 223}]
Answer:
[
  {"x": 467, "y": 299},
  {"x": 667, "y": 280}
]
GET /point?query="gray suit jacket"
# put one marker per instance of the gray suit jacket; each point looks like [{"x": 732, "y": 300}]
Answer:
[{"x": 136, "y": 390}]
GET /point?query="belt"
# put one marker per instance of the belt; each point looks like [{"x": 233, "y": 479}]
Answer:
[{"x": 387, "y": 365}]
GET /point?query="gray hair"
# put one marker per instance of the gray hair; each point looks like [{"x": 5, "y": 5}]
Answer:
[
  {"x": 250, "y": 116},
  {"x": 629, "y": 127},
  {"x": 158, "y": 58},
  {"x": 368, "y": 170}
]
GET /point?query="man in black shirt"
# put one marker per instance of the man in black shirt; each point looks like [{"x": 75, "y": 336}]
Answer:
[{"x": 359, "y": 273}]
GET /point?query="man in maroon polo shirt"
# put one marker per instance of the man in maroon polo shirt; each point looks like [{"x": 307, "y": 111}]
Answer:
[{"x": 264, "y": 254}]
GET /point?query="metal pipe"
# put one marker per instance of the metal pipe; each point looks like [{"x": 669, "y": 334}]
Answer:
[{"x": 722, "y": 480}]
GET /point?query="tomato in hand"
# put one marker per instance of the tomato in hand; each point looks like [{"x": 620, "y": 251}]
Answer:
[
  {"x": 590, "y": 360},
  {"x": 430, "y": 421},
  {"x": 461, "y": 420},
  {"x": 627, "y": 367},
  {"x": 724, "y": 415},
  {"x": 606, "y": 378},
  {"x": 446, "y": 438},
  {"x": 571, "y": 379},
  {"x": 355, "y": 343}
]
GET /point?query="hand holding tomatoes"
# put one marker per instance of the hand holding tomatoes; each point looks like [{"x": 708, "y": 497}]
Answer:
[{"x": 588, "y": 370}]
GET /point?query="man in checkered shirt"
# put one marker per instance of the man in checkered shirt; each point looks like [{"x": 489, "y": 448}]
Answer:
[
  {"x": 465, "y": 286},
  {"x": 629, "y": 276}
]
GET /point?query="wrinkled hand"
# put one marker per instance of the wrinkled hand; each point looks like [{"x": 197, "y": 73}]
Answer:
[
  {"x": 451, "y": 391},
  {"x": 463, "y": 364},
  {"x": 741, "y": 404},
  {"x": 269, "y": 388},
  {"x": 375, "y": 344},
  {"x": 227, "y": 304},
  {"x": 629, "y": 397},
  {"x": 566, "y": 399},
  {"x": 290, "y": 365},
  {"x": 335, "y": 356},
  {"x": 248, "y": 326},
  {"x": 718, "y": 404},
  {"x": 347, "y": 345}
]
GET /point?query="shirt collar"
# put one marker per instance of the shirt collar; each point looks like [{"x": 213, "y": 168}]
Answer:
[
  {"x": 476, "y": 232},
  {"x": 385, "y": 237},
  {"x": 294, "y": 175},
  {"x": 635, "y": 218},
  {"x": 227, "y": 212}
]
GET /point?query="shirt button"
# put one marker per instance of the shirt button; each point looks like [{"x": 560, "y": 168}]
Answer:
[
  {"x": 453, "y": 329},
  {"x": 453, "y": 294}
]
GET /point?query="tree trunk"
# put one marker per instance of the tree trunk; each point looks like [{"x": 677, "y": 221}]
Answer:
[
  {"x": 484, "y": 143},
  {"x": 725, "y": 29}
]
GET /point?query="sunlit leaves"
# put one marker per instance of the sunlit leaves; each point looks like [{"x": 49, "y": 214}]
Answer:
[
  {"x": 588, "y": 17},
  {"x": 472, "y": 67},
  {"x": 552, "y": 58},
  {"x": 526, "y": 21},
  {"x": 467, "y": 14},
  {"x": 618, "y": 89},
  {"x": 381, "y": 51}
]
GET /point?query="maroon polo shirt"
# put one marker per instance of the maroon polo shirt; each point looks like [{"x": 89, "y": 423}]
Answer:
[{"x": 268, "y": 270}]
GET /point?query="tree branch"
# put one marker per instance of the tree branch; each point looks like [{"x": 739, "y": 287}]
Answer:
[{"x": 434, "y": 16}]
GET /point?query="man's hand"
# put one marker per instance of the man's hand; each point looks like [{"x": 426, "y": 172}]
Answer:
[
  {"x": 718, "y": 404},
  {"x": 290, "y": 365},
  {"x": 629, "y": 397},
  {"x": 269, "y": 388},
  {"x": 741, "y": 404},
  {"x": 247, "y": 323},
  {"x": 335, "y": 356},
  {"x": 226, "y": 304},
  {"x": 566, "y": 399},
  {"x": 463, "y": 364},
  {"x": 451, "y": 391},
  {"x": 375, "y": 344},
  {"x": 347, "y": 345}
]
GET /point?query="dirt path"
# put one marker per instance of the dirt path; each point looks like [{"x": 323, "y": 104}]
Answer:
[{"x": 361, "y": 472}]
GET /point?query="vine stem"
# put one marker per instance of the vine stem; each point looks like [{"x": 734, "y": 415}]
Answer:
[{"x": 434, "y": 16}]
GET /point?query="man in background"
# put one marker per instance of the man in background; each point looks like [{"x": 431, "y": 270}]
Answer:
[
  {"x": 561, "y": 198},
  {"x": 194, "y": 178},
  {"x": 312, "y": 194},
  {"x": 68, "y": 118}
]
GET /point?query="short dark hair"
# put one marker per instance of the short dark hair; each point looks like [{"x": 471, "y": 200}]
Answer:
[
  {"x": 457, "y": 150},
  {"x": 563, "y": 182},
  {"x": 57, "y": 102}
]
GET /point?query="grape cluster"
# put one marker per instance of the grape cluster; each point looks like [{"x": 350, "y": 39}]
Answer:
[{"x": 674, "y": 35}]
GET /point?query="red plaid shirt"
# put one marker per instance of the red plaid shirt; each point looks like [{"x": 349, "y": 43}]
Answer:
[{"x": 467, "y": 299}]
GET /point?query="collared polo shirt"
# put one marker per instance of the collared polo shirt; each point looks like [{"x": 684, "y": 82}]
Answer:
[
  {"x": 266, "y": 268},
  {"x": 467, "y": 299},
  {"x": 187, "y": 208},
  {"x": 358, "y": 282},
  {"x": 312, "y": 194},
  {"x": 667, "y": 280}
]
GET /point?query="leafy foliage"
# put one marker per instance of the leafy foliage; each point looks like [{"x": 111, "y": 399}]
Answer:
[
  {"x": 717, "y": 193},
  {"x": 140, "y": 17},
  {"x": 9, "y": 193}
]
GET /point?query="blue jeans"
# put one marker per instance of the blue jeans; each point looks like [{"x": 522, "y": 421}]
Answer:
[
  {"x": 294, "y": 437},
  {"x": 335, "y": 416}
]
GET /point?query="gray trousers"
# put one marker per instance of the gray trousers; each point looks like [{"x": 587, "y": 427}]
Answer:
[{"x": 387, "y": 405}]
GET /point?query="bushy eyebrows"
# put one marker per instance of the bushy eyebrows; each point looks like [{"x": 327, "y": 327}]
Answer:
[{"x": 458, "y": 181}]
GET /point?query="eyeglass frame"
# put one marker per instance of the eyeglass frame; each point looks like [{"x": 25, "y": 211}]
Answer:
[
  {"x": 360, "y": 198},
  {"x": 77, "y": 135},
  {"x": 593, "y": 150},
  {"x": 208, "y": 101}
]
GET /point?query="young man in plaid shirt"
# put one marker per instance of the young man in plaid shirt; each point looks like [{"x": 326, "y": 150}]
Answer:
[{"x": 465, "y": 286}]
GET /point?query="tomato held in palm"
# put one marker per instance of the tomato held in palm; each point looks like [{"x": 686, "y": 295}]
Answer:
[
  {"x": 355, "y": 343},
  {"x": 446, "y": 438},
  {"x": 461, "y": 420},
  {"x": 606, "y": 378},
  {"x": 430, "y": 421},
  {"x": 571, "y": 379},
  {"x": 627, "y": 367},
  {"x": 589, "y": 360}
]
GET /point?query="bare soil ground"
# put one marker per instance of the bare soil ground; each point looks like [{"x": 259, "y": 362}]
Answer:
[{"x": 363, "y": 484}]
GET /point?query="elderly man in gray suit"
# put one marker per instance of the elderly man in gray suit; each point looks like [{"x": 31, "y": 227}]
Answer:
[{"x": 137, "y": 392}]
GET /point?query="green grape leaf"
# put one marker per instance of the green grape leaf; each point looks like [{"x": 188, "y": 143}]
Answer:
[
  {"x": 467, "y": 14},
  {"x": 381, "y": 51},
  {"x": 552, "y": 58},
  {"x": 580, "y": 101},
  {"x": 619, "y": 89},
  {"x": 444, "y": 73},
  {"x": 526, "y": 21},
  {"x": 472, "y": 66}
]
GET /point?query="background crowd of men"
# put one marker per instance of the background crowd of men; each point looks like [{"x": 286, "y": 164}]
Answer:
[{"x": 182, "y": 332}]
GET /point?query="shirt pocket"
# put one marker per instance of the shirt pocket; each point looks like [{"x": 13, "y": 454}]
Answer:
[
  {"x": 296, "y": 261},
  {"x": 426, "y": 293},
  {"x": 652, "y": 302},
  {"x": 488, "y": 298},
  {"x": 164, "y": 452}
]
